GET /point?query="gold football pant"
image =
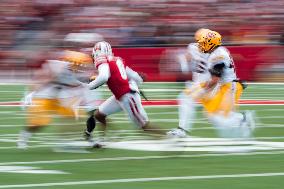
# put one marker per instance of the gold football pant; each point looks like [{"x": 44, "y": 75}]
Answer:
[
  {"x": 223, "y": 98},
  {"x": 40, "y": 113}
]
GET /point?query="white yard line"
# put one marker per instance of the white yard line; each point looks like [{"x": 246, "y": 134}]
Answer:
[
  {"x": 162, "y": 121},
  {"x": 57, "y": 124},
  {"x": 44, "y": 133},
  {"x": 130, "y": 180},
  {"x": 142, "y": 158},
  {"x": 34, "y": 146},
  {"x": 129, "y": 135}
]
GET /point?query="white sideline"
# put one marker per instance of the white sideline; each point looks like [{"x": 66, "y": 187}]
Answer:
[
  {"x": 143, "y": 180},
  {"x": 141, "y": 158}
]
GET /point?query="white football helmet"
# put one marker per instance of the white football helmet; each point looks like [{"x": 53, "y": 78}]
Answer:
[{"x": 101, "y": 48}]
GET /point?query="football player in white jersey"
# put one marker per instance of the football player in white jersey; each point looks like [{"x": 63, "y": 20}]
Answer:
[
  {"x": 218, "y": 93},
  {"x": 56, "y": 91},
  {"x": 194, "y": 61},
  {"x": 223, "y": 91}
]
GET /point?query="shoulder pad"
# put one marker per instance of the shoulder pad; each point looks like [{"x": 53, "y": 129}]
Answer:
[
  {"x": 221, "y": 54},
  {"x": 192, "y": 47}
]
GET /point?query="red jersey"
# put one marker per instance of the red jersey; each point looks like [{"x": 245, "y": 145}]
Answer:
[{"x": 118, "y": 81}]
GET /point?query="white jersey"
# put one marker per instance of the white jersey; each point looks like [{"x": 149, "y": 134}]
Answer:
[
  {"x": 62, "y": 77},
  {"x": 62, "y": 73},
  {"x": 219, "y": 56},
  {"x": 199, "y": 64}
]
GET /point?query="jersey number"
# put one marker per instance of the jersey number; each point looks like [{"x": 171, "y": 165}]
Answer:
[
  {"x": 121, "y": 69},
  {"x": 232, "y": 64}
]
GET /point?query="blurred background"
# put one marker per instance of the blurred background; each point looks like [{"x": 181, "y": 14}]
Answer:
[
  {"x": 150, "y": 35},
  {"x": 147, "y": 34}
]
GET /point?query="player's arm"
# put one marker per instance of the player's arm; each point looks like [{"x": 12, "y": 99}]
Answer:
[
  {"x": 42, "y": 77},
  {"x": 102, "y": 77},
  {"x": 194, "y": 60},
  {"x": 216, "y": 73},
  {"x": 132, "y": 75},
  {"x": 184, "y": 59}
]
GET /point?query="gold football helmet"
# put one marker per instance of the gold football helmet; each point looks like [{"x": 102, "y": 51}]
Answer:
[
  {"x": 78, "y": 61},
  {"x": 209, "y": 41},
  {"x": 200, "y": 33}
]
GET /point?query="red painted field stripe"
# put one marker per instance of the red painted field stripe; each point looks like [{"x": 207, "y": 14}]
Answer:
[
  {"x": 159, "y": 102},
  {"x": 174, "y": 102},
  {"x": 12, "y": 103},
  {"x": 261, "y": 102}
]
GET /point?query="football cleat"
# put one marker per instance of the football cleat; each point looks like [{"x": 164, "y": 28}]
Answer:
[
  {"x": 249, "y": 117},
  {"x": 89, "y": 138},
  {"x": 177, "y": 133},
  {"x": 92, "y": 143},
  {"x": 22, "y": 145},
  {"x": 97, "y": 145},
  {"x": 22, "y": 142},
  {"x": 87, "y": 135}
]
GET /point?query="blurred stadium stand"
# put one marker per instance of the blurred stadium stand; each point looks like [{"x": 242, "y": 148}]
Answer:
[{"x": 254, "y": 30}]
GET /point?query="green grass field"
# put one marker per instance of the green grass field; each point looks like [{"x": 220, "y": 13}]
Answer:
[{"x": 201, "y": 165}]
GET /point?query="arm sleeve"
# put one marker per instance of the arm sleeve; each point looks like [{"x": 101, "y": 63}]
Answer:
[
  {"x": 182, "y": 60},
  {"x": 103, "y": 76},
  {"x": 132, "y": 75},
  {"x": 217, "y": 69}
]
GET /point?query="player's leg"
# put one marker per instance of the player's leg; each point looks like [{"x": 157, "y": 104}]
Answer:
[
  {"x": 249, "y": 115},
  {"x": 151, "y": 128},
  {"x": 231, "y": 126},
  {"x": 223, "y": 115},
  {"x": 38, "y": 117},
  {"x": 186, "y": 110},
  {"x": 26, "y": 134},
  {"x": 90, "y": 124},
  {"x": 187, "y": 104},
  {"x": 131, "y": 103},
  {"x": 247, "y": 124},
  {"x": 90, "y": 101},
  {"x": 110, "y": 106}
]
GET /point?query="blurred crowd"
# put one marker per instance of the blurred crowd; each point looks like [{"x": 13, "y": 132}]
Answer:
[{"x": 29, "y": 26}]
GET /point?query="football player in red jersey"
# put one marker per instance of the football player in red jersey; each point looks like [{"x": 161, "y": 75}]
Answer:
[{"x": 122, "y": 81}]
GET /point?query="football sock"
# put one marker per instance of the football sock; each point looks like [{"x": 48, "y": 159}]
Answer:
[
  {"x": 231, "y": 126},
  {"x": 186, "y": 111},
  {"x": 24, "y": 136},
  {"x": 91, "y": 124}
]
